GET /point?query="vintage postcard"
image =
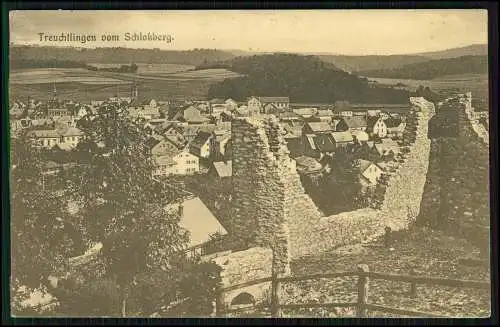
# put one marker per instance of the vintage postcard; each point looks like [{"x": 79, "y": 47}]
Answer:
[{"x": 249, "y": 163}]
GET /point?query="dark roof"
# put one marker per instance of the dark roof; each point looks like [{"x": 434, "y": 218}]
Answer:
[
  {"x": 355, "y": 122},
  {"x": 152, "y": 142},
  {"x": 392, "y": 122},
  {"x": 324, "y": 143},
  {"x": 310, "y": 140},
  {"x": 200, "y": 139},
  {"x": 371, "y": 121}
]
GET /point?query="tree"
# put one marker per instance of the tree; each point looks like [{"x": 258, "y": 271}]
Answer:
[
  {"x": 119, "y": 204},
  {"x": 122, "y": 204},
  {"x": 38, "y": 220}
]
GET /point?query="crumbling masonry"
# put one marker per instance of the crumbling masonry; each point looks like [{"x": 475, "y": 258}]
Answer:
[{"x": 271, "y": 209}]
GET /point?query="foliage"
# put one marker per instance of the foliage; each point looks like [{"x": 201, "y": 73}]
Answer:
[
  {"x": 306, "y": 78},
  {"x": 120, "y": 55},
  {"x": 119, "y": 204},
  {"x": 20, "y": 63},
  {"x": 427, "y": 94},
  {"x": 434, "y": 68},
  {"x": 132, "y": 68},
  {"x": 38, "y": 215},
  {"x": 152, "y": 291},
  {"x": 201, "y": 283},
  {"x": 343, "y": 178}
]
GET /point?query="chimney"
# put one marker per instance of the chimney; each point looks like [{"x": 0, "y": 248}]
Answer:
[{"x": 181, "y": 210}]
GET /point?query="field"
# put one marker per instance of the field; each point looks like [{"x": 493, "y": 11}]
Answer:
[
  {"x": 59, "y": 75},
  {"x": 162, "y": 82},
  {"x": 475, "y": 83}
]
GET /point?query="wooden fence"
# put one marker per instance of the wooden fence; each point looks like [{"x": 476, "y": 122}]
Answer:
[{"x": 362, "y": 305}]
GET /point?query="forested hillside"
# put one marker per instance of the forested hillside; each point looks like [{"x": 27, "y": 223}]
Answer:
[
  {"x": 118, "y": 55},
  {"x": 434, "y": 68},
  {"x": 302, "y": 78}
]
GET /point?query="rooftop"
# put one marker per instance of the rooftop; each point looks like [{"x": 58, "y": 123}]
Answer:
[
  {"x": 199, "y": 221},
  {"x": 224, "y": 168},
  {"x": 341, "y": 137},
  {"x": 355, "y": 122},
  {"x": 318, "y": 127}
]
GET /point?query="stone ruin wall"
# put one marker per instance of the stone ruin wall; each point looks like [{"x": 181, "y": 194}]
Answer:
[
  {"x": 244, "y": 266},
  {"x": 270, "y": 205},
  {"x": 403, "y": 195},
  {"x": 456, "y": 193},
  {"x": 270, "y": 208}
]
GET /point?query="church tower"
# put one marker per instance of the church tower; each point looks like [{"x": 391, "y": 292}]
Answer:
[{"x": 134, "y": 91}]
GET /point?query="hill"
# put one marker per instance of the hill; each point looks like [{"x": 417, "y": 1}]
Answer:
[
  {"x": 303, "y": 78},
  {"x": 361, "y": 63},
  {"x": 434, "y": 68},
  {"x": 371, "y": 62},
  {"x": 470, "y": 50},
  {"x": 117, "y": 55}
]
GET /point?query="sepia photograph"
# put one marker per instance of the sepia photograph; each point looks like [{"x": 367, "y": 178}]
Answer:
[{"x": 249, "y": 163}]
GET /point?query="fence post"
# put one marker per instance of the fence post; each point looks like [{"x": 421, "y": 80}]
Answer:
[
  {"x": 219, "y": 304},
  {"x": 275, "y": 303},
  {"x": 413, "y": 286},
  {"x": 363, "y": 289}
]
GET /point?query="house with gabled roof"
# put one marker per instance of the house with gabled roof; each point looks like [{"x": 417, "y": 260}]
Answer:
[
  {"x": 218, "y": 143},
  {"x": 258, "y": 104},
  {"x": 324, "y": 144},
  {"x": 171, "y": 160},
  {"x": 306, "y": 112},
  {"x": 369, "y": 173},
  {"x": 354, "y": 123},
  {"x": 317, "y": 128},
  {"x": 342, "y": 140},
  {"x": 395, "y": 127},
  {"x": 200, "y": 146},
  {"x": 384, "y": 150},
  {"x": 376, "y": 126},
  {"x": 66, "y": 137}
]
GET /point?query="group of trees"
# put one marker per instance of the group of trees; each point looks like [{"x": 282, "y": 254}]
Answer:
[
  {"x": 120, "y": 55},
  {"x": 304, "y": 78},
  {"x": 20, "y": 63},
  {"x": 119, "y": 204},
  {"x": 434, "y": 68},
  {"x": 132, "y": 68},
  {"x": 427, "y": 94}
]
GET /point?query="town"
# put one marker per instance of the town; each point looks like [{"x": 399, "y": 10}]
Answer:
[
  {"x": 194, "y": 138},
  {"x": 237, "y": 170}
]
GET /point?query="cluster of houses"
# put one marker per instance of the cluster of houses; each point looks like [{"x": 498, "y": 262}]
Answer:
[{"x": 195, "y": 137}]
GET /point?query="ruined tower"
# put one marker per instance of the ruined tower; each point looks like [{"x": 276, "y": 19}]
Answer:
[{"x": 266, "y": 187}]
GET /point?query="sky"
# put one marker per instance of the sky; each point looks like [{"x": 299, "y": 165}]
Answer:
[{"x": 349, "y": 32}]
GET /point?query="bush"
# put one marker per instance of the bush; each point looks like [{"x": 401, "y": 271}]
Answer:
[{"x": 201, "y": 283}]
